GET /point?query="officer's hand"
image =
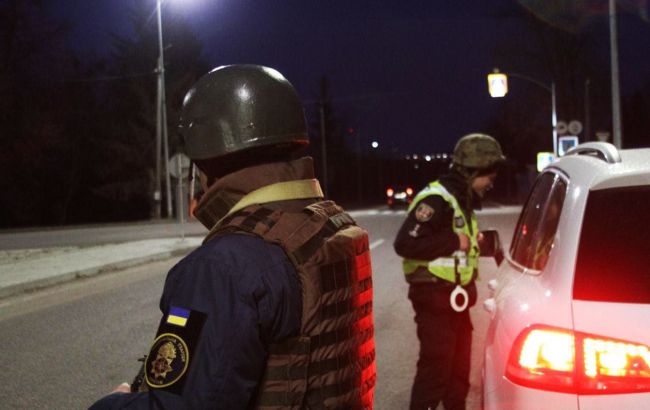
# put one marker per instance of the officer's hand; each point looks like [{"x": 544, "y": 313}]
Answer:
[
  {"x": 464, "y": 242},
  {"x": 122, "y": 388}
]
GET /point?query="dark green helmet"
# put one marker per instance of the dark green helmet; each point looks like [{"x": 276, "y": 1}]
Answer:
[
  {"x": 241, "y": 107},
  {"x": 477, "y": 151}
]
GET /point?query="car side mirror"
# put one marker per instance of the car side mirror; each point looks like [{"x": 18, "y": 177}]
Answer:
[{"x": 490, "y": 245}]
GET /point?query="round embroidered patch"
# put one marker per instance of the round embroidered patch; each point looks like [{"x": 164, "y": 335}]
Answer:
[
  {"x": 423, "y": 212},
  {"x": 167, "y": 361}
]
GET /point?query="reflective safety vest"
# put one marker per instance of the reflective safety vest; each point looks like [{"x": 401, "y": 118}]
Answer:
[
  {"x": 459, "y": 267},
  {"x": 331, "y": 364}
]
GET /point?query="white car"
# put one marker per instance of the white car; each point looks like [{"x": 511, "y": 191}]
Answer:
[{"x": 570, "y": 312}]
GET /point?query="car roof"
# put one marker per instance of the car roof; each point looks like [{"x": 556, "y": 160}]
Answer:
[{"x": 601, "y": 166}]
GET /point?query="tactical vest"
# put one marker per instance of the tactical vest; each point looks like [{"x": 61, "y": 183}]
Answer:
[
  {"x": 460, "y": 267},
  {"x": 331, "y": 364}
]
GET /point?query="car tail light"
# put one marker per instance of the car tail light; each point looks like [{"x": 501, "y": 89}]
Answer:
[
  {"x": 409, "y": 191},
  {"x": 390, "y": 192},
  {"x": 556, "y": 359}
]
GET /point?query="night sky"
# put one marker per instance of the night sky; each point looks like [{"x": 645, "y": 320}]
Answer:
[{"x": 410, "y": 74}]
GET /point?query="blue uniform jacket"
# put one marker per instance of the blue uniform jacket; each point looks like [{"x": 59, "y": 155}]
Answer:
[{"x": 248, "y": 295}]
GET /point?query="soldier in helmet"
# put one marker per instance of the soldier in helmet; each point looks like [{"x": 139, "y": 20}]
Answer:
[
  {"x": 274, "y": 310},
  {"x": 439, "y": 243}
]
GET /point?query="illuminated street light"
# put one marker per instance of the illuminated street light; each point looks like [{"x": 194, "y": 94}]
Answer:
[
  {"x": 550, "y": 89},
  {"x": 497, "y": 84},
  {"x": 375, "y": 144}
]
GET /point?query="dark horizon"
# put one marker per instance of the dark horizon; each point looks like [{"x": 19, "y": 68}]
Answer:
[
  {"x": 78, "y": 89},
  {"x": 412, "y": 75}
]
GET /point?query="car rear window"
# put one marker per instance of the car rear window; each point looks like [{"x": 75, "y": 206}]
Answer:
[{"x": 613, "y": 263}]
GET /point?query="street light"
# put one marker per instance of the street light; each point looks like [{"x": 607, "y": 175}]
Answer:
[
  {"x": 497, "y": 84},
  {"x": 498, "y": 87},
  {"x": 161, "y": 123}
]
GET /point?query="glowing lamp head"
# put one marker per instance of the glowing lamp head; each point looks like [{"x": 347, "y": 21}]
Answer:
[{"x": 497, "y": 84}]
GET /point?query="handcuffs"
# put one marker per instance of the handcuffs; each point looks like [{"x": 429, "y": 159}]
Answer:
[{"x": 458, "y": 291}]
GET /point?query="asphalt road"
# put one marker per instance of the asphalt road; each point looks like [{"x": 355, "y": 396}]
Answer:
[{"x": 67, "y": 346}]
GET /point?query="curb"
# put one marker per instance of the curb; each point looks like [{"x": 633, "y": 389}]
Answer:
[{"x": 16, "y": 287}]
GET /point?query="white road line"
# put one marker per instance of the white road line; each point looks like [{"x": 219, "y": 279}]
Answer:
[
  {"x": 376, "y": 243},
  {"x": 375, "y": 212},
  {"x": 500, "y": 211}
]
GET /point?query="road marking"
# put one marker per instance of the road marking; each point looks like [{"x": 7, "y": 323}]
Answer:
[
  {"x": 375, "y": 212},
  {"x": 498, "y": 210},
  {"x": 504, "y": 210},
  {"x": 376, "y": 243}
]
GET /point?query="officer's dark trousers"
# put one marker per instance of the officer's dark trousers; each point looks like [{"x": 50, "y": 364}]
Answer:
[{"x": 445, "y": 345}]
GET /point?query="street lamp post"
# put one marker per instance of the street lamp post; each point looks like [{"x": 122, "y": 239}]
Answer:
[
  {"x": 161, "y": 124},
  {"x": 502, "y": 90},
  {"x": 616, "y": 92}
]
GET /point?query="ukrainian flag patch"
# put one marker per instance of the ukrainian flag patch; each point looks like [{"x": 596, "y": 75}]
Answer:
[{"x": 178, "y": 316}]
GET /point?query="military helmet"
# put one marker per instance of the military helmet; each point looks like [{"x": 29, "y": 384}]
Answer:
[
  {"x": 477, "y": 151},
  {"x": 241, "y": 107}
]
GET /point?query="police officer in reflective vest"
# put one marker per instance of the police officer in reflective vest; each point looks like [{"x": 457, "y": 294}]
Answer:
[
  {"x": 274, "y": 310},
  {"x": 439, "y": 244}
]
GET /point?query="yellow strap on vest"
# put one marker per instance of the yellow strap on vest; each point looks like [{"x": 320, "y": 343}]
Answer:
[{"x": 280, "y": 191}]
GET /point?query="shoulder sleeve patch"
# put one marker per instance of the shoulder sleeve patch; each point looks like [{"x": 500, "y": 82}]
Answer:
[
  {"x": 423, "y": 212},
  {"x": 172, "y": 351}
]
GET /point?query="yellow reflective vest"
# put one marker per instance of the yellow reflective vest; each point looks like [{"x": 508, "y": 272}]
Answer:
[{"x": 446, "y": 267}]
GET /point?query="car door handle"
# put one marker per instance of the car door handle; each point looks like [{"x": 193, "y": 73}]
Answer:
[
  {"x": 492, "y": 284},
  {"x": 490, "y": 305}
]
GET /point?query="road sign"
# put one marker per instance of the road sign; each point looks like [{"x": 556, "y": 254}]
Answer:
[
  {"x": 544, "y": 159},
  {"x": 602, "y": 136},
  {"x": 179, "y": 165},
  {"x": 561, "y": 127},
  {"x": 575, "y": 127},
  {"x": 566, "y": 143}
]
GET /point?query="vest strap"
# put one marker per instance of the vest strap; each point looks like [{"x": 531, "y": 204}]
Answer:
[{"x": 280, "y": 191}]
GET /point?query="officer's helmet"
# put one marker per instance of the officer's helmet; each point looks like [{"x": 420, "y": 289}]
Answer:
[
  {"x": 241, "y": 113},
  {"x": 478, "y": 152}
]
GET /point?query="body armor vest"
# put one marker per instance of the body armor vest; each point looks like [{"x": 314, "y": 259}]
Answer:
[
  {"x": 331, "y": 363},
  {"x": 461, "y": 267}
]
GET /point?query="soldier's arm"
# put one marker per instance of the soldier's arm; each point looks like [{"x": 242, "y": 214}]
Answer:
[
  {"x": 250, "y": 296},
  {"x": 427, "y": 239}
]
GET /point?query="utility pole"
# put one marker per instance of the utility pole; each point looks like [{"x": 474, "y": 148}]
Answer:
[
  {"x": 498, "y": 87},
  {"x": 616, "y": 93},
  {"x": 323, "y": 100},
  {"x": 358, "y": 138},
  {"x": 323, "y": 141},
  {"x": 587, "y": 111},
  {"x": 157, "y": 196},
  {"x": 554, "y": 117},
  {"x": 161, "y": 122}
]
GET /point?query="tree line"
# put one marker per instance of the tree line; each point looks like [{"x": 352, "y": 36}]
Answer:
[{"x": 77, "y": 135}]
